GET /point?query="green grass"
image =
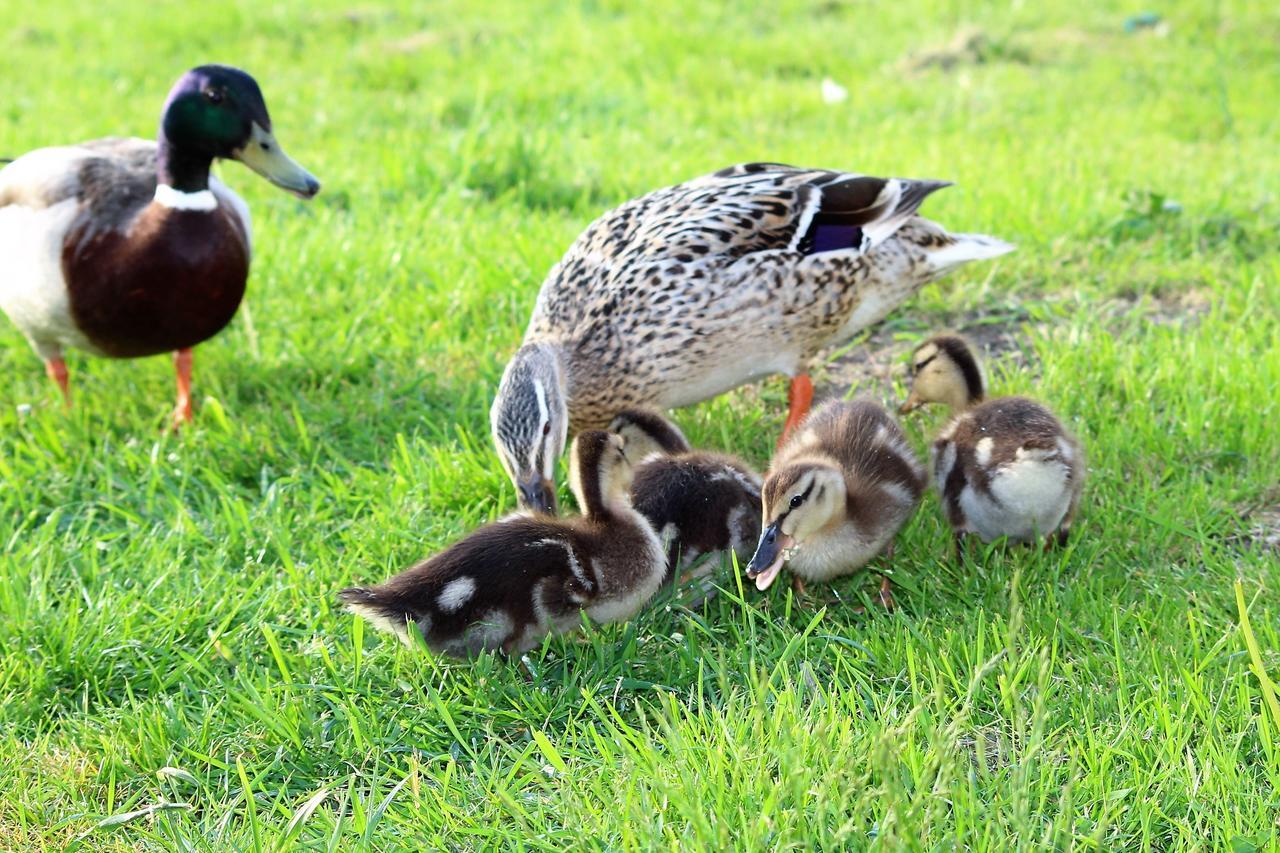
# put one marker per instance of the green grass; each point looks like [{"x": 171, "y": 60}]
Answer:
[{"x": 168, "y": 633}]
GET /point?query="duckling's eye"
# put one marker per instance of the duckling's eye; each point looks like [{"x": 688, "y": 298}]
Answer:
[
  {"x": 796, "y": 501},
  {"x": 916, "y": 368},
  {"x": 546, "y": 428},
  {"x": 214, "y": 96}
]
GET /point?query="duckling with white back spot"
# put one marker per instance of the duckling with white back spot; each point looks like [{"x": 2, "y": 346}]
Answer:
[
  {"x": 511, "y": 583},
  {"x": 1005, "y": 467}
]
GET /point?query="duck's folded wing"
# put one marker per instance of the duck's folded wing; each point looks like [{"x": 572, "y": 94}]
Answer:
[
  {"x": 39, "y": 179},
  {"x": 117, "y": 179},
  {"x": 765, "y": 206},
  {"x": 107, "y": 175},
  {"x": 754, "y": 207}
]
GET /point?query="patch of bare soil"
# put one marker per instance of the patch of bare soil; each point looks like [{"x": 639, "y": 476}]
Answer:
[
  {"x": 1161, "y": 307},
  {"x": 414, "y": 42},
  {"x": 873, "y": 366},
  {"x": 1260, "y": 524},
  {"x": 969, "y": 46},
  {"x": 999, "y": 334}
]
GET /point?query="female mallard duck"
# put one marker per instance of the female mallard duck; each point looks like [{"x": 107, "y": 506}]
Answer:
[
  {"x": 698, "y": 502},
  {"x": 692, "y": 290},
  {"x": 510, "y": 583},
  {"x": 836, "y": 494},
  {"x": 1003, "y": 467},
  {"x": 127, "y": 248}
]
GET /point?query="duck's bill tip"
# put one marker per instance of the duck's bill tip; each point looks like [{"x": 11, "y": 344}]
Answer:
[
  {"x": 307, "y": 192},
  {"x": 537, "y": 495},
  {"x": 771, "y": 555},
  {"x": 263, "y": 154},
  {"x": 764, "y": 579}
]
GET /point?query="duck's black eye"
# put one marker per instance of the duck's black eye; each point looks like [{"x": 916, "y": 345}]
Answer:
[
  {"x": 796, "y": 501},
  {"x": 266, "y": 146},
  {"x": 546, "y": 428},
  {"x": 213, "y": 96}
]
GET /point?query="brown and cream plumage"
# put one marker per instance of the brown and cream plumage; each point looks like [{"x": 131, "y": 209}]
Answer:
[
  {"x": 692, "y": 290},
  {"x": 837, "y": 492},
  {"x": 511, "y": 583},
  {"x": 698, "y": 502},
  {"x": 1003, "y": 467}
]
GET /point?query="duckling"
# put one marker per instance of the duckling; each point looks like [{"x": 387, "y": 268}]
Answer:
[
  {"x": 127, "y": 247},
  {"x": 651, "y": 304},
  {"x": 836, "y": 494},
  {"x": 1003, "y": 467},
  {"x": 698, "y": 502},
  {"x": 511, "y": 583}
]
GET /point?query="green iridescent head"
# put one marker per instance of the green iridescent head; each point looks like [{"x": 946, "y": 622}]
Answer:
[{"x": 216, "y": 111}]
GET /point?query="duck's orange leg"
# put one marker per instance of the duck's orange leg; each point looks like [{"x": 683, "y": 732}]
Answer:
[
  {"x": 182, "y": 412},
  {"x": 799, "y": 398},
  {"x": 57, "y": 370}
]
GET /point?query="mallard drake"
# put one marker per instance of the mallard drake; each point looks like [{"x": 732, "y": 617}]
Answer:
[
  {"x": 127, "y": 248},
  {"x": 1003, "y": 467},
  {"x": 698, "y": 502},
  {"x": 513, "y": 582},
  {"x": 836, "y": 494},
  {"x": 693, "y": 290}
]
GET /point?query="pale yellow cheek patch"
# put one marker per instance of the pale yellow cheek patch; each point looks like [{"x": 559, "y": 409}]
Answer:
[{"x": 925, "y": 353}]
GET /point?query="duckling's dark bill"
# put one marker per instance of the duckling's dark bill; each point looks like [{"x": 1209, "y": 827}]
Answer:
[
  {"x": 538, "y": 494},
  {"x": 910, "y": 404},
  {"x": 770, "y": 555}
]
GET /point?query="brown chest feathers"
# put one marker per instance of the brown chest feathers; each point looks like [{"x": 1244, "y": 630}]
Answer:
[{"x": 174, "y": 278}]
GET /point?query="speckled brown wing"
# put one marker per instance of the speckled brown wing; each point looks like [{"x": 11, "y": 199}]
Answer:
[
  {"x": 650, "y": 243},
  {"x": 117, "y": 182}
]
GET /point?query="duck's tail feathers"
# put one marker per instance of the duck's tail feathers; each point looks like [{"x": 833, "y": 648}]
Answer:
[
  {"x": 963, "y": 248},
  {"x": 381, "y": 610}
]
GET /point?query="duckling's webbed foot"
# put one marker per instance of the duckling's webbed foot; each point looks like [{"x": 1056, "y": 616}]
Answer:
[
  {"x": 57, "y": 370},
  {"x": 885, "y": 595},
  {"x": 799, "y": 399},
  {"x": 797, "y": 586},
  {"x": 1057, "y": 540}
]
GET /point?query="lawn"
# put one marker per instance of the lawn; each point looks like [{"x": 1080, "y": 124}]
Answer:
[{"x": 169, "y": 635}]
